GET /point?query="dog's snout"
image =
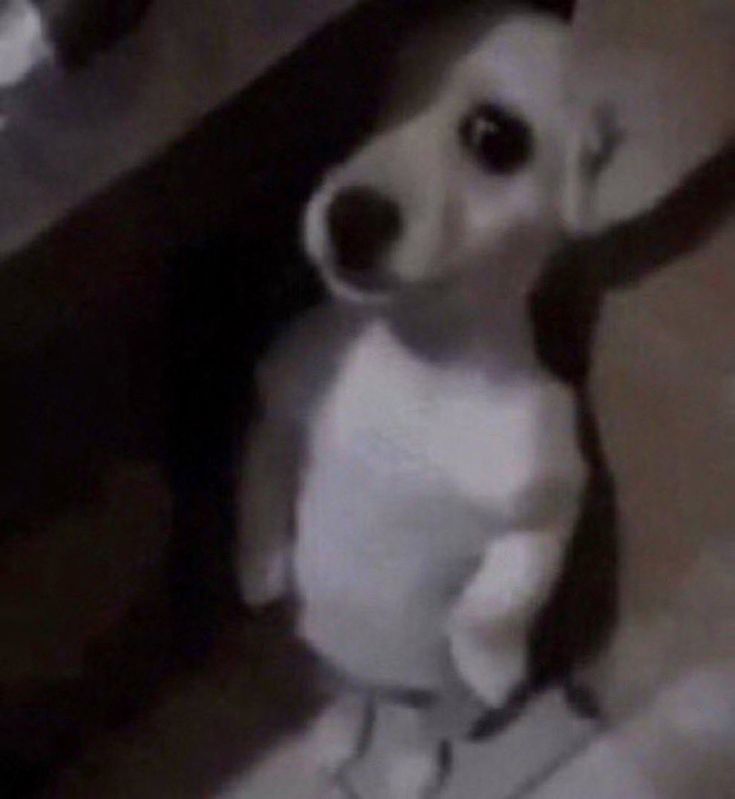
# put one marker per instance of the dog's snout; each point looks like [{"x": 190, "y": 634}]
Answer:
[{"x": 362, "y": 224}]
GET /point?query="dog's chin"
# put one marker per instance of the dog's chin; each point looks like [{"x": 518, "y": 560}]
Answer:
[
  {"x": 369, "y": 291},
  {"x": 373, "y": 291}
]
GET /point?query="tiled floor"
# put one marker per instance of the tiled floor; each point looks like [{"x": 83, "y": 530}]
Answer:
[
  {"x": 503, "y": 768},
  {"x": 682, "y": 748}
]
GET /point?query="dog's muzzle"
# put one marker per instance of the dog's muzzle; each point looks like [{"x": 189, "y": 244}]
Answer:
[{"x": 362, "y": 224}]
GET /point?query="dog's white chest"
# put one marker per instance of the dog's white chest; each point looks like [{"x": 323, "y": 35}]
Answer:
[
  {"x": 413, "y": 467},
  {"x": 486, "y": 440}
]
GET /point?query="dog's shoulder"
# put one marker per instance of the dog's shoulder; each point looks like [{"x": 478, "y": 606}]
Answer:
[
  {"x": 302, "y": 362},
  {"x": 513, "y": 447}
]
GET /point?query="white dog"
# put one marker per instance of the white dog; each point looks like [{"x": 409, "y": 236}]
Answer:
[{"x": 426, "y": 463}]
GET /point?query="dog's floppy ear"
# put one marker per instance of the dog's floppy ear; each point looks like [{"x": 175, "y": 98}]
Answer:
[
  {"x": 565, "y": 303},
  {"x": 593, "y": 141}
]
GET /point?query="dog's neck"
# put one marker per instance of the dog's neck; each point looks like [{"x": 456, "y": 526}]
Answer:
[{"x": 483, "y": 316}]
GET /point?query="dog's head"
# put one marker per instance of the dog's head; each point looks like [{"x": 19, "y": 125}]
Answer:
[{"x": 481, "y": 176}]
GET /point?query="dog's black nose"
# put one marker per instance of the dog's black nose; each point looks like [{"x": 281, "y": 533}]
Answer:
[{"x": 362, "y": 224}]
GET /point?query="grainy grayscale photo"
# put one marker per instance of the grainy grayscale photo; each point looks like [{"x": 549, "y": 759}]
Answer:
[{"x": 367, "y": 399}]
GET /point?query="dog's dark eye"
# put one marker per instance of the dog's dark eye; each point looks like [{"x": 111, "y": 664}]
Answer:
[{"x": 498, "y": 140}]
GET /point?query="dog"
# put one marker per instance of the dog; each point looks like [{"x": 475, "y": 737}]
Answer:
[{"x": 415, "y": 474}]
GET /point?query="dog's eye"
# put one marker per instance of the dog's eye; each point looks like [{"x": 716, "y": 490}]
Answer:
[{"x": 498, "y": 140}]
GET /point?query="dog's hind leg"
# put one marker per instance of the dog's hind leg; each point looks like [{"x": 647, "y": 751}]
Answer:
[
  {"x": 420, "y": 762},
  {"x": 340, "y": 737}
]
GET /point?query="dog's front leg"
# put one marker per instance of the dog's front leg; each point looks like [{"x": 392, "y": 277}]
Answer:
[
  {"x": 266, "y": 498},
  {"x": 489, "y": 624}
]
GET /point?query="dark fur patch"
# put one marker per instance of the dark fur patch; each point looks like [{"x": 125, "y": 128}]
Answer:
[{"x": 578, "y": 620}]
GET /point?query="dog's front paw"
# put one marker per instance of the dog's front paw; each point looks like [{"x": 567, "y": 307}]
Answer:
[
  {"x": 264, "y": 580},
  {"x": 494, "y": 667}
]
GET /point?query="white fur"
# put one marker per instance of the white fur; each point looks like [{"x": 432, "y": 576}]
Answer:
[
  {"x": 336, "y": 733},
  {"x": 488, "y": 635},
  {"x": 414, "y": 770},
  {"x": 413, "y": 468},
  {"x": 436, "y": 492}
]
